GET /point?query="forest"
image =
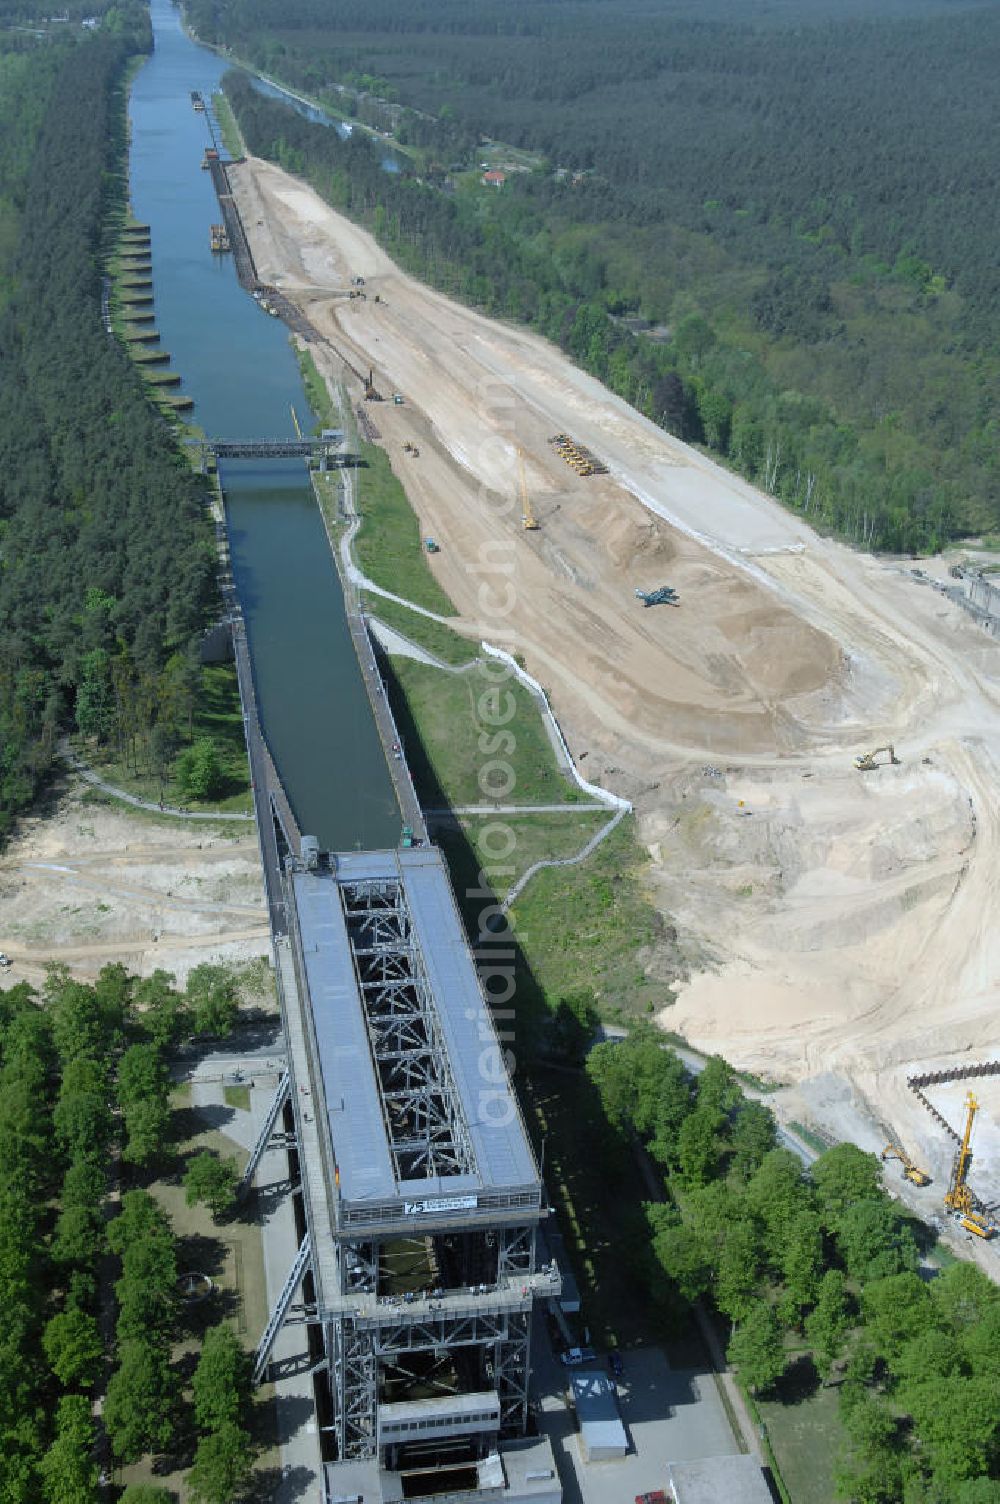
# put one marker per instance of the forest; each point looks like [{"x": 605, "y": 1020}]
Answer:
[
  {"x": 85, "y": 1109},
  {"x": 108, "y": 570},
  {"x": 816, "y": 1273},
  {"x": 798, "y": 197}
]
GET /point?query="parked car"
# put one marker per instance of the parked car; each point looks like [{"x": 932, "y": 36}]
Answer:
[
  {"x": 5, "y": 961},
  {"x": 574, "y": 1356},
  {"x": 656, "y": 1497},
  {"x": 615, "y": 1364}
]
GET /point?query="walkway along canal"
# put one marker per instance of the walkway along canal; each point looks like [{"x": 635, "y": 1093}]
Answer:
[{"x": 238, "y": 366}]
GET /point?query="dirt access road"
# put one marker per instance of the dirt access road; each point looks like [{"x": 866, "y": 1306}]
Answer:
[{"x": 836, "y": 922}]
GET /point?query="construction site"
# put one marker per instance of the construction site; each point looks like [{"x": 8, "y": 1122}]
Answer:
[{"x": 808, "y": 737}]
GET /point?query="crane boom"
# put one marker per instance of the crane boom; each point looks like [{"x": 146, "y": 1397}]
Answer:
[
  {"x": 911, "y": 1171},
  {"x": 958, "y": 1195},
  {"x": 528, "y": 521}
]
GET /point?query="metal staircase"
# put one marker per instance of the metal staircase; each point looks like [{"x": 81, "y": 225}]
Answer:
[
  {"x": 264, "y": 1137},
  {"x": 280, "y": 1311}
]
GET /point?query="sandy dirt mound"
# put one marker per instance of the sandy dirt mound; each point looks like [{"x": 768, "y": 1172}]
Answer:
[
  {"x": 838, "y": 921},
  {"x": 91, "y": 883}
]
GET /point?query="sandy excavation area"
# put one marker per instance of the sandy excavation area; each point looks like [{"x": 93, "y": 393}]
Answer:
[
  {"x": 89, "y": 883},
  {"x": 840, "y": 926}
]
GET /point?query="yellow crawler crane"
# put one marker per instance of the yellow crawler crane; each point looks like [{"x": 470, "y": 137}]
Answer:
[
  {"x": 959, "y": 1197},
  {"x": 911, "y": 1171},
  {"x": 528, "y": 520}
]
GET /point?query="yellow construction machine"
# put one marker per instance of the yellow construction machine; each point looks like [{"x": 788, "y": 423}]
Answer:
[
  {"x": 911, "y": 1171},
  {"x": 869, "y": 760},
  {"x": 528, "y": 521},
  {"x": 959, "y": 1197}
]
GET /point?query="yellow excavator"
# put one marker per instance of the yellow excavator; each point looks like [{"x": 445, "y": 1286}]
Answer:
[
  {"x": 911, "y": 1171},
  {"x": 959, "y": 1197},
  {"x": 528, "y": 521},
  {"x": 869, "y": 760}
]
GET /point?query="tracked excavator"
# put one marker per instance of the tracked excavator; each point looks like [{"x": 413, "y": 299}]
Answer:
[
  {"x": 959, "y": 1197},
  {"x": 911, "y": 1171},
  {"x": 869, "y": 760}
]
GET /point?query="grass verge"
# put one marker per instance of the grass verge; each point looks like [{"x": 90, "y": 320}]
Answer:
[
  {"x": 592, "y": 928},
  {"x": 434, "y": 637},
  {"x": 388, "y": 545},
  {"x": 232, "y": 138},
  {"x": 536, "y": 838},
  {"x": 451, "y": 752},
  {"x": 810, "y": 1136},
  {"x": 317, "y": 392}
]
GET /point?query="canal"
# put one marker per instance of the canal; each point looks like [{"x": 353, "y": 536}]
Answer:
[{"x": 240, "y": 368}]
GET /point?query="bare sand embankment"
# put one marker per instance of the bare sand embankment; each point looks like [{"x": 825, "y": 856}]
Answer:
[
  {"x": 90, "y": 883},
  {"x": 838, "y": 921}
]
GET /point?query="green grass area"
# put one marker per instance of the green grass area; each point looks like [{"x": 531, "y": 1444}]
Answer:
[
  {"x": 809, "y": 1136},
  {"x": 318, "y": 393},
  {"x": 232, "y": 1256},
  {"x": 431, "y": 635},
  {"x": 534, "y": 838},
  {"x": 232, "y": 140},
  {"x": 217, "y": 714},
  {"x": 388, "y": 545},
  {"x": 805, "y": 1433},
  {"x": 327, "y": 490},
  {"x": 440, "y": 717},
  {"x": 592, "y": 927}
]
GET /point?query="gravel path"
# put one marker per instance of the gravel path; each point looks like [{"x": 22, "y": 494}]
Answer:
[{"x": 157, "y": 807}]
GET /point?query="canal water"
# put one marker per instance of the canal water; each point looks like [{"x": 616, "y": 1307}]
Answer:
[{"x": 239, "y": 367}]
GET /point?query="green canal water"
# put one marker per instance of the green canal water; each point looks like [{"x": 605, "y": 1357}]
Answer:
[{"x": 238, "y": 366}]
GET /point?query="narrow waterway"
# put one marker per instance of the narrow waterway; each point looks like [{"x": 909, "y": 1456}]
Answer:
[{"x": 240, "y": 369}]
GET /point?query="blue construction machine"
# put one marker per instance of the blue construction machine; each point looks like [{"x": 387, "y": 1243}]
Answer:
[{"x": 665, "y": 595}]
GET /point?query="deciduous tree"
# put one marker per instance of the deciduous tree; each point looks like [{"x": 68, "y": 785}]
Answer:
[
  {"x": 757, "y": 1349},
  {"x": 73, "y": 1347},
  {"x": 221, "y": 1381},
  {"x": 221, "y": 1465},
  {"x": 69, "y": 1472},
  {"x": 213, "y": 1181}
]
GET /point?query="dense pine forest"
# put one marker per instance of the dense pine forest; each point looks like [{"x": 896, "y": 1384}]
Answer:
[
  {"x": 798, "y": 196},
  {"x": 107, "y": 575}
]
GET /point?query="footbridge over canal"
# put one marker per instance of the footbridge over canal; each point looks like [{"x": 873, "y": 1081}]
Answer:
[{"x": 325, "y": 450}]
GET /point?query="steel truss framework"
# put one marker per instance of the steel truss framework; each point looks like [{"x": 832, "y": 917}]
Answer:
[
  {"x": 425, "y": 1126},
  {"x": 359, "y": 1352},
  {"x": 516, "y": 1252},
  {"x": 359, "y": 1260}
]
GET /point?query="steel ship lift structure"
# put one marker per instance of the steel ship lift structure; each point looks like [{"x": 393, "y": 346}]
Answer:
[{"x": 418, "y": 1195}]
